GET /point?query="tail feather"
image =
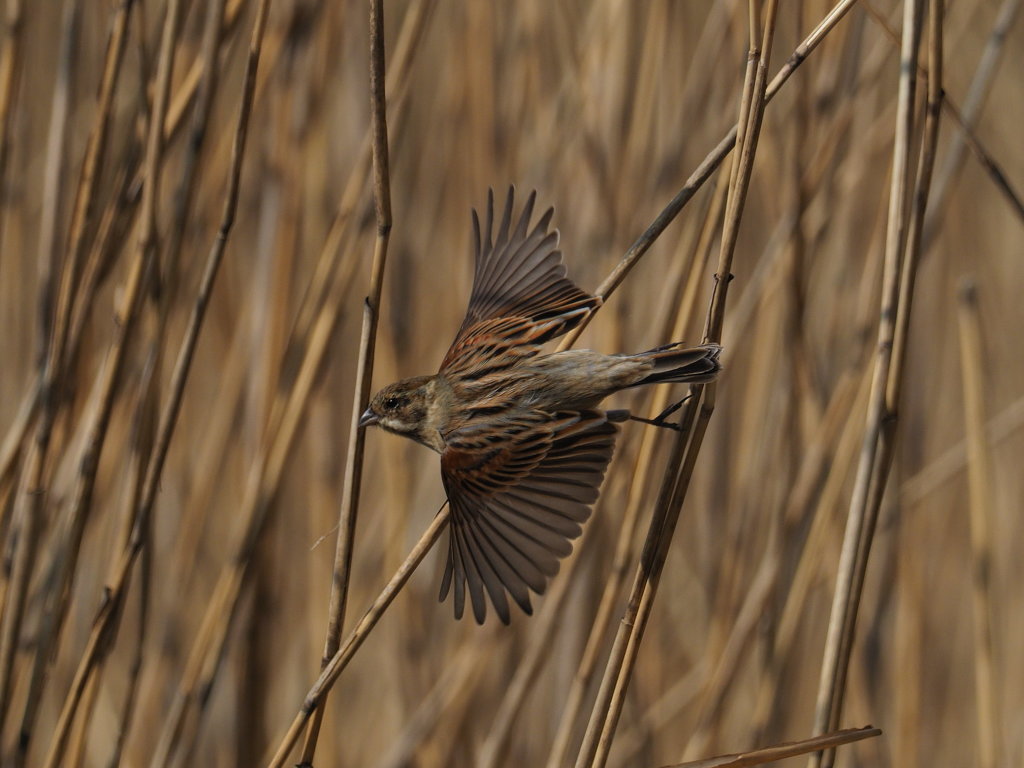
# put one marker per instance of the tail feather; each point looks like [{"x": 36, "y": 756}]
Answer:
[{"x": 674, "y": 362}]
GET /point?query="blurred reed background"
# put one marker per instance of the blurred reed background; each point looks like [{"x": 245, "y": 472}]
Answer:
[{"x": 605, "y": 108}]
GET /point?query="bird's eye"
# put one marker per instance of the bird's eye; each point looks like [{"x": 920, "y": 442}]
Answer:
[{"x": 392, "y": 402}]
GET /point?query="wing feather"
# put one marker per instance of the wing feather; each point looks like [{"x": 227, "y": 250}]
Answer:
[
  {"x": 521, "y": 296},
  {"x": 518, "y": 502}
]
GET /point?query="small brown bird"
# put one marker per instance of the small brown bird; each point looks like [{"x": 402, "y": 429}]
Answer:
[{"x": 523, "y": 444}]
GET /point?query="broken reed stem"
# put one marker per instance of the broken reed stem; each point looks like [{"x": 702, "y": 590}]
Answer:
[
  {"x": 980, "y": 476},
  {"x": 364, "y": 364},
  {"x": 707, "y": 167},
  {"x": 907, "y": 205},
  {"x": 106, "y": 623},
  {"x": 783, "y": 751},
  {"x": 618, "y": 671},
  {"x": 331, "y": 671}
]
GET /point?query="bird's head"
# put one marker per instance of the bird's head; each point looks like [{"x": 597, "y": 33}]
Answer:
[{"x": 402, "y": 407}]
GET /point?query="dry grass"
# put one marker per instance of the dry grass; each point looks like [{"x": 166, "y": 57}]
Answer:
[{"x": 184, "y": 340}]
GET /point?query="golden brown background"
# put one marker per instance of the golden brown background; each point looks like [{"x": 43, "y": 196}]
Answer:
[{"x": 605, "y": 108}]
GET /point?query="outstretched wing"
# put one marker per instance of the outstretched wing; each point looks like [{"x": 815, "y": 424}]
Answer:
[
  {"x": 518, "y": 496},
  {"x": 521, "y": 297}
]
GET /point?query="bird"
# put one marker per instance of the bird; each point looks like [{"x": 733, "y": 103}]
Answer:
[{"x": 524, "y": 443}]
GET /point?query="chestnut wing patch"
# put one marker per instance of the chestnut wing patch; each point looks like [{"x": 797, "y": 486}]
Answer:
[{"x": 521, "y": 296}]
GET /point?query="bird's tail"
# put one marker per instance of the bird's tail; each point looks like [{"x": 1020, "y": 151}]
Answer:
[{"x": 674, "y": 362}]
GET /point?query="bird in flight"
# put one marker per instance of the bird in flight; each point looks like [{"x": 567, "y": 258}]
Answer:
[{"x": 524, "y": 445}]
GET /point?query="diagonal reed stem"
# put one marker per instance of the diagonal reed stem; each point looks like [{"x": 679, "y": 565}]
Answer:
[{"x": 607, "y": 708}]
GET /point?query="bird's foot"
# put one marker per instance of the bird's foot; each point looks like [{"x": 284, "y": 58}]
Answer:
[{"x": 661, "y": 420}]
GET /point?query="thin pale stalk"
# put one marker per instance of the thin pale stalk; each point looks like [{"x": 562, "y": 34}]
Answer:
[
  {"x": 329, "y": 674},
  {"x": 10, "y": 69},
  {"x": 783, "y": 751},
  {"x": 953, "y": 460},
  {"x": 980, "y": 477},
  {"x": 973, "y": 102},
  {"x": 29, "y": 505},
  {"x": 876, "y": 452},
  {"x": 106, "y": 622},
  {"x": 496, "y": 745},
  {"x": 624, "y": 547},
  {"x": 608, "y": 707},
  {"x": 964, "y": 122},
  {"x": 371, "y": 313},
  {"x": 314, "y": 327},
  {"x": 706, "y": 168}
]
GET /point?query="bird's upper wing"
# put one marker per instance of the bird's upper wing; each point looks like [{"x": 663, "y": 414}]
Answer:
[
  {"x": 521, "y": 296},
  {"x": 518, "y": 496}
]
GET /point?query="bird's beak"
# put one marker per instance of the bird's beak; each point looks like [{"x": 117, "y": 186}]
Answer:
[{"x": 369, "y": 418}]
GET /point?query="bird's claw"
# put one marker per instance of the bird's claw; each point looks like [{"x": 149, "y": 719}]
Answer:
[{"x": 661, "y": 419}]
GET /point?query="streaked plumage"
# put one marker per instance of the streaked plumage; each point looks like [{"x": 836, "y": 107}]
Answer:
[{"x": 523, "y": 443}]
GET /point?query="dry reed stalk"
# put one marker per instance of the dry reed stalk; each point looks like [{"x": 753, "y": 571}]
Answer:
[
  {"x": 953, "y": 460},
  {"x": 106, "y": 621},
  {"x": 25, "y": 527},
  {"x": 783, "y": 751},
  {"x": 331, "y": 671},
  {"x": 980, "y": 477},
  {"x": 495, "y": 746},
  {"x": 685, "y": 303},
  {"x": 706, "y": 168},
  {"x": 966, "y": 135},
  {"x": 62, "y": 566},
  {"x": 96, "y": 430},
  {"x": 974, "y": 101},
  {"x": 70, "y": 304},
  {"x": 907, "y": 204},
  {"x": 364, "y": 361},
  {"x": 454, "y": 683},
  {"x": 10, "y": 69},
  {"x": 608, "y": 706},
  {"x": 314, "y": 326}
]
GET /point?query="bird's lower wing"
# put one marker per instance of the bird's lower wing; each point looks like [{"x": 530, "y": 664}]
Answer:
[{"x": 519, "y": 493}]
